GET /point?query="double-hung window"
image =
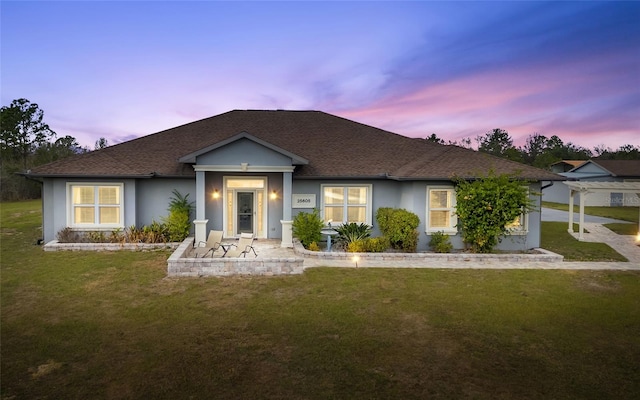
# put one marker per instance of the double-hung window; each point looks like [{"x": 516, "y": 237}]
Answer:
[
  {"x": 344, "y": 204},
  {"x": 95, "y": 205},
  {"x": 441, "y": 207}
]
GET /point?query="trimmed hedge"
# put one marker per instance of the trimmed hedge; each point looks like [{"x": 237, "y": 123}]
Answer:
[{"x": 400, "y": 228}]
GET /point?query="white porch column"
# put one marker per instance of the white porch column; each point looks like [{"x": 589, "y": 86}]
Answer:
[
  {"x": 200, "y": 222},
  {"x": 583, "y": 194},
  {"x": 571, "y": 194},
  {"x": 287, "y": 191}
]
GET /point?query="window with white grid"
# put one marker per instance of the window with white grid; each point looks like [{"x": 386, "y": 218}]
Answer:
[{"x": 95, "y": 205}]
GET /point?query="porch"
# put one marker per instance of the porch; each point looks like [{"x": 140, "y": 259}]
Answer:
[{"x": 273, "y": 259}]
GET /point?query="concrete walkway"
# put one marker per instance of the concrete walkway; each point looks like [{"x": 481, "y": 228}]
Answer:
[{"x": 627, "y": 245}]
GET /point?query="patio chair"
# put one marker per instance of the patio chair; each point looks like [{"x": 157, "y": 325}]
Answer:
[
  {"x": 244, "y": 246},
  {"x": 213, "y": 243}
]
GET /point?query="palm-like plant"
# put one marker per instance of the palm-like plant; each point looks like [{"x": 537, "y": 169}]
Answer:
[{"x": 352, "y": 232}]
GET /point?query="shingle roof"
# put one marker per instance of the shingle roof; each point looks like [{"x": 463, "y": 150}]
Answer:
[
  {"x": 334, "y": 147},
  {"x": 620, "y": 168}
]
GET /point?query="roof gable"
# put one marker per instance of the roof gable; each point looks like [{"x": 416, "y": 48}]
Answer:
[
  {"x": 614, "y": 168},
  {"x": 193, "y": 157},
  {"x": 591, "y": 168}
]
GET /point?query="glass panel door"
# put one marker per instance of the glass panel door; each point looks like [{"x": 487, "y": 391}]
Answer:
[{"x": 245, "y": 212}]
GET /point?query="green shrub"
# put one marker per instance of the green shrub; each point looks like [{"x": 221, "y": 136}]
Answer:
[
  {"x": 400, "y": 227},
  {"x": 155, "y": 233},
  {"x": 307, "y": 227},
  {"x": 486, "y": 206},
  {"x": 313, "y": 246},
  {"x": 352, "y": 232},
  {"x": 368, "y": 245},
  {"x": 178, "y": 222},
  {"x": 97, "y": 237},
  {"x": 178, "y": 226},
  {"x": 440, "y": 243},
  {"x": 357, "y": 246},
  {"x": 376, "y": 245}
]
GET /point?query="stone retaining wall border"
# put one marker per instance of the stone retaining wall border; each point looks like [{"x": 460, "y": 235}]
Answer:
[
  {"x": 541, "y": 255},
  {"x": 54, "y": 245}
]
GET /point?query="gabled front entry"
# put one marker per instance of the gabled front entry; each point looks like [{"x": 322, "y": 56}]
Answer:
[
  {"x": 245, "y": 208},
  {"x": 246, "y": 197}
]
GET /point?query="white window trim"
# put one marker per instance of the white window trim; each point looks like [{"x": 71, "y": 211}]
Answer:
[
  {"x": 70, "y": 213},
  {"x": 452, "y": 229},
  {"x": 368, "y": 205}
]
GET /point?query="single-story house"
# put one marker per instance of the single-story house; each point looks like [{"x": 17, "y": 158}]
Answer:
[
  {"x": 595, "y": 170},
  {"x": 254, "y": 170}
]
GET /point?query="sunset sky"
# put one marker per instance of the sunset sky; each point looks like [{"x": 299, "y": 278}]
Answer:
[{"x": 458, "y": 69}]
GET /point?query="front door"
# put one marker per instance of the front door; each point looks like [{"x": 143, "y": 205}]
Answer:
[
  {"x": 245, "y": 212},
  {"x": 245, "y": 206}
]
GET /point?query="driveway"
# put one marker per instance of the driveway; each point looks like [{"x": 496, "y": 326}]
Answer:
[{"x": 549, "y": 214}]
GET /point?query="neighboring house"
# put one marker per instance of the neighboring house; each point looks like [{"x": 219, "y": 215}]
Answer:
[
  {"x": 566, "y": 165},
  {"x": 253, "y": 171},
  {"x": 598, "y": 171}
]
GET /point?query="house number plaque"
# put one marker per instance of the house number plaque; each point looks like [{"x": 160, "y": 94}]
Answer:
[{"x": 303, "y": 201}]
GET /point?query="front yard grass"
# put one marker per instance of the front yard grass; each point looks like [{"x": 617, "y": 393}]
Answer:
[
  {"x": 556, "y": 238},
  {"x": 111, "y": 326}
]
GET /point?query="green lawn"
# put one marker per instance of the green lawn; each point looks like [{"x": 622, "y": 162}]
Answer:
[
  {"x": 112, "y": 326},
  {"x": 556, "y": 238}
]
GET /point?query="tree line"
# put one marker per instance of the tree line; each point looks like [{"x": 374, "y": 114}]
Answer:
[
  {"x": 26, "y": 141},
  {"x": 539, "y": 151}
]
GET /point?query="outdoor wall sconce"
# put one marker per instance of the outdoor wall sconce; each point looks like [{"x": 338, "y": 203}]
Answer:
[
  {"x": 216, "y": 194},
  {"x": 273, "y": 195}
]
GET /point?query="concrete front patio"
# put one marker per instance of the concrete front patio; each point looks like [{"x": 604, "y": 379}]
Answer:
[{"x": 272, "y": 260}]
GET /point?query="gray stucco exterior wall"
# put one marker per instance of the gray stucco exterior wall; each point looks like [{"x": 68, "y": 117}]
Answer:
[
  {"x": 56, "y": 211},
  {"x": 152, "y": 197}
]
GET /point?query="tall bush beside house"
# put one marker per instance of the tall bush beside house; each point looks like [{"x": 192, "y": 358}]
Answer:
[
  {"x": 178, "y": 222},
  {"x": 486, "y": 206},
  {"x": 400, "y": 227},
  {"x": 307, "y": 227}
]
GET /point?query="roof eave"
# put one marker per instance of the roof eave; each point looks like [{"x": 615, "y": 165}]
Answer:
[{"x": 84, "y": 176}]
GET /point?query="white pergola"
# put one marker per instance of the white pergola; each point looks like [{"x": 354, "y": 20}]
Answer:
[{"x": 586, "y": 188}]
